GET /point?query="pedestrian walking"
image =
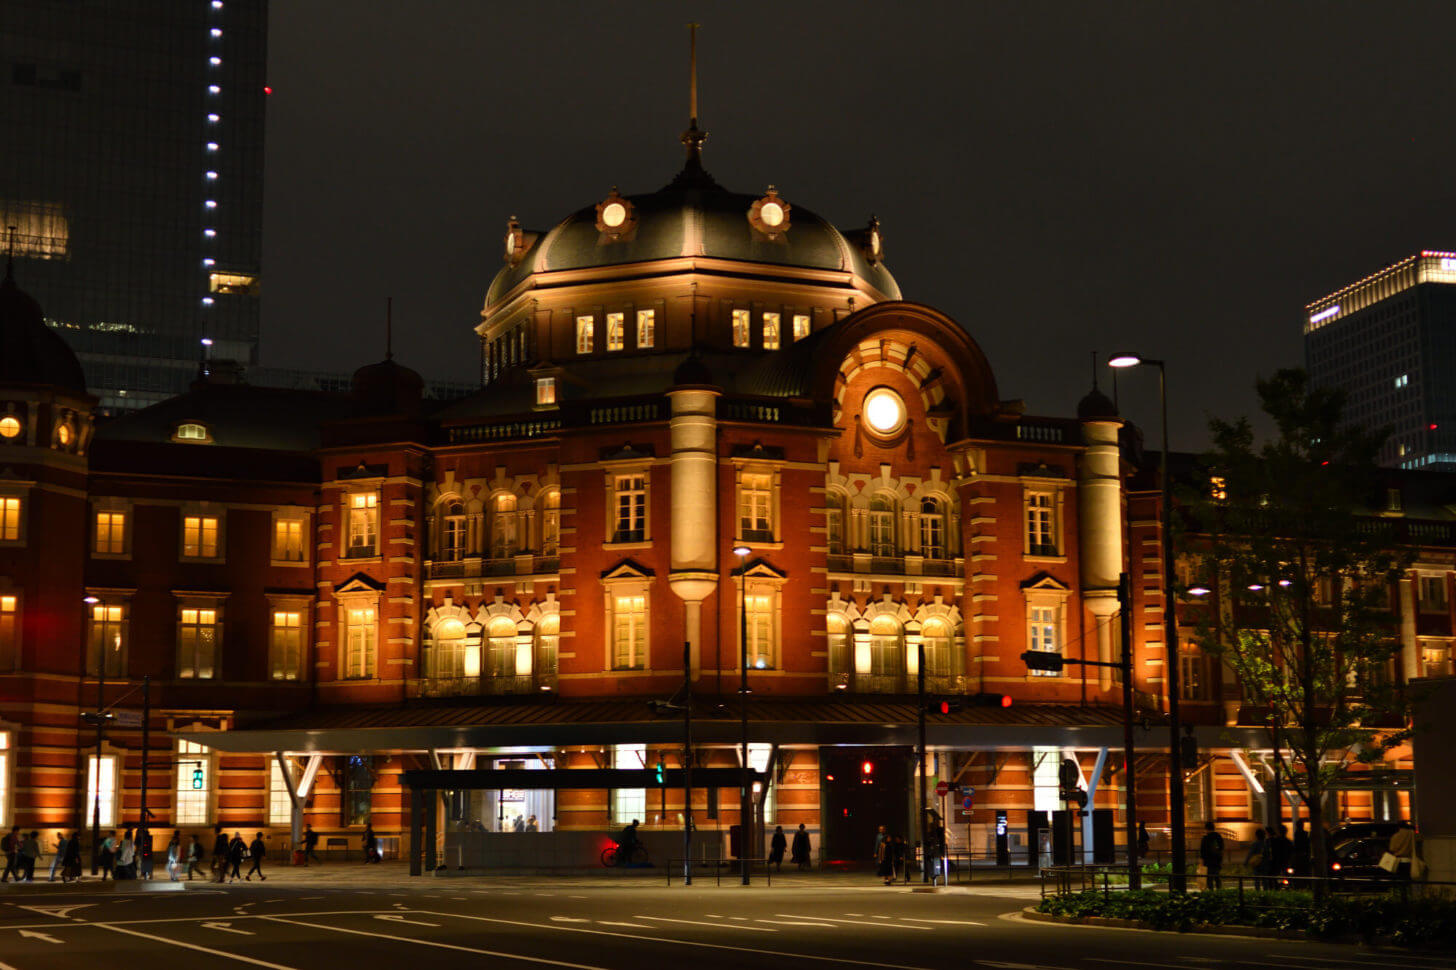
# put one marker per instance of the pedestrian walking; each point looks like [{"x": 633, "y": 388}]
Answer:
[
  {"x": 777, "y": 846},
  {"x": 237, "y": 851},
  {"x": 532, "y": 825},
  {"x": 256, "y": 852},
  {"x": 371, "y": 845},
  {"x": 29, "y": 852},
  {"x": 310, "y": 846},
  {"x": 1281, "y": 856},
  {"x": 58, "y": 860},
  {"x": 1403, "y": 845},
  {"x": 144, "y": 851},
  {"x": 885, "y": 863},
  {"x": 194, "y": 859},
  {"x": 10, "y": 845},
  {"x": 799, "y": 853},
  {"x": 1144, "y": 840},
  {"x": 1210, "y": 853},
  {"x": 71, "y": 864},
  {"x": 108, "y": 857},
  {"x": 174, "y": 855},
  {"x": 125, "y": 867},
  {"x": 219, "y": 854},
  {"x": 1254, "y": 861},
  {"x": 1303, "y": 861}
]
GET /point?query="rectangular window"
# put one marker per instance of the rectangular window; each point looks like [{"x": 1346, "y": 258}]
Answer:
[
  {"x": 9, "y": 632},
  {"x": 629, "y": 632},
  {"x": 770, "y": 331},
  {"x": 363, "y": 524},
  {"x": 801, "y": 326},
  {"x": 10, "y": 506},
  {"x": 106, "y": 640},
  {"x": 646, "y": 329},
  {"x": 101, "y": 788},
  {"x": 834, "y": 527},
  {"x": 630, "y": 517},
  {"x": 358, "y": 805},
  {"x": 285, "y": 645},
  {"x": 280, "y": 806},
  {"x": 545, "y": 390},
  {"x": 740, "y": 328},
  {"x": 1041, "y": 537},
  {"x": 199, "y": 536},
  {"x": 585, "y": 326},
  {"x": 755, "y": 508},
  {"x": 194, "y": 791},
  {"x": 361, "y": 637},
  {"x": 1433, "y": 594},
  {"x": 616, "y": 331},
  {"x": 5, "y": 813},
  {"x": 288, "y": 539},
  {"x": 762, "y": 642},
  {"x": 197, "y": 644},
  {"x": 1190, "y": 681},
  {"x": 1043, "y": 634},
  {"x": 111, "y": 533},
  {"x": 629, "y": 803}
]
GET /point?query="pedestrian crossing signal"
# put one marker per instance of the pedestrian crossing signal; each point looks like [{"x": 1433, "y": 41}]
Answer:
[
  {"x": 661, "y": 769},
  {"x": 199, "y": 778}
]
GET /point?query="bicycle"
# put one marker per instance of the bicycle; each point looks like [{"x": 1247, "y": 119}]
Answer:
[{"x": 637, "y": 856}]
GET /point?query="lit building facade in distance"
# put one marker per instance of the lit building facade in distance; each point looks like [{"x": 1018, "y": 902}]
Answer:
[
  {"x": 329, "y": 589},
  {"x": 133, "y": 175},
  {"x": 1389, "y": 341}
]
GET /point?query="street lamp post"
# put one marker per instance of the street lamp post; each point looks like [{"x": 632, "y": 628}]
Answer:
[
  {"x": 1170, "y": 630},
  {"x": 745, "y": 791}
]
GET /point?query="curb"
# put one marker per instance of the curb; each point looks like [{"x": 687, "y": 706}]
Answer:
[{"x": 1213, "y": 929}]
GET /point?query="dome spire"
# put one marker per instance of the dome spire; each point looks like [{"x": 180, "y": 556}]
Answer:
[{"x": 693, "y": 175}]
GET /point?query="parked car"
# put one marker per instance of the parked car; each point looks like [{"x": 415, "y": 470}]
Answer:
[{"x": 1355, "y": 850}]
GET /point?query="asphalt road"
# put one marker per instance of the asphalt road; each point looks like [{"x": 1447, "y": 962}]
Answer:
[{"x": 584, "y": 924}]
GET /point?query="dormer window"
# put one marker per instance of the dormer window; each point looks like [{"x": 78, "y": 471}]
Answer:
[
  {"x": 616, "y": 216},
  {"x": 9, "y": 426},
  {"x": 192, "y": 432},
  {"x": 515, "y": 241},
  {"x": 770, "y": 215},
  {"x": 545, "y": 391}
]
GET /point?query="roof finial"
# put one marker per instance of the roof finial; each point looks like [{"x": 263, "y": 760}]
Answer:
[
  {"x": 693, "y": 176},
  {"x": 693, "y": 75},
  {"x": 389, "y": 328}
]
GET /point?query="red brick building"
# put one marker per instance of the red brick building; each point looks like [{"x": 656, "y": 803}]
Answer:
[{"x": 326, "y": 590}]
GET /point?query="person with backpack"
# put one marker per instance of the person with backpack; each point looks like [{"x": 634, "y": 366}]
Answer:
[
  {"x": 71, "y": 864},
  {"x": 237, "y": 851},
  {"x": 10, "y": 845},
  {"x": 310, "y": 847},
  {"x": 256, "y": 852},
  {"x": 1210, "y": 852},
  {"x": 29, "y": 852}
]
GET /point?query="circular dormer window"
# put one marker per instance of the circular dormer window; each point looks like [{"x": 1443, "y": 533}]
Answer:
[
  {"x": 614, "y": 214},
  {"x": 770, "y": 215},
  {"x": 9, "y": 426},
  {"x": 884, "y": 412}
]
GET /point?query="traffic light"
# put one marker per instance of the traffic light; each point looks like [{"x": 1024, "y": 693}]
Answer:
[
  {"x": 943, "y": 705},
  {"x": 990, "y": 700},
  {"x": 867, "y": 773},
  {"x": 1043, "y": 660}
]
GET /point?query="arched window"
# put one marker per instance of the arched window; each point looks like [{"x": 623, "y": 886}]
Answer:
[
  {"x": 452, "y": 533},
  {"x": 932, "y": 528},
  {"x": 503, "y": 527},
  {"x": 834, "y": 523},
  {"x": 935, "y": 635},
  {"x": 887, "y": 647},
  {"x": 551, "y": 523},
  {"x": 501, "y": 647},
  {"x": 839, "y": 639},
  {"x": 548, "y": 636},
  {"x": 882, "y": 526},
  {"x": 449, "y": 653}
]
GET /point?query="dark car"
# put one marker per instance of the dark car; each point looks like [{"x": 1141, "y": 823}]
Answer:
[{"x": 1355, "y": 850}]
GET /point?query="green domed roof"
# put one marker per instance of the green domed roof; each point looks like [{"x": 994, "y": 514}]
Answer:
[{"x": 30, "y": 352}]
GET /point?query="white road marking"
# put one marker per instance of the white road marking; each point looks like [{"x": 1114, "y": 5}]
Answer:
[
  {"x": 1404, "y": 958},
  {"x": 396, "y": 918},
  {"x": 635, "y": 926},
  {"x": 33, "y": 935},
  {"x": 569, "y": 919},
  {"x": 698, "y": 922},
  {"x": 194, "y": 946},
  {"x": 947, "y": 922},
  {"x": 60, "y": 912},
  {"x": 778, "y": 955},
  {"x": 227, "y": 928},
  {"x": 1018, "y": 966},
  {"x": 435, "y": 943},
  {"x": 855, "y": 922},
  {"x": 785, "y": 922}
]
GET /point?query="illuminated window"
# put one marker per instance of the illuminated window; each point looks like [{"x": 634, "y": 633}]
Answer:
[
  {"x": 839, "y": 642},
  {"x": 191, "y": 432},
  {"x": 503, "y": 527},
  {"x": 199, "y": 536},
  {"x": 501, "y": 648},
  {"x": 1218, "y": 488},
  {"x": 360, "y": 638},
  {"x": 1041, "y": 535},
  {"x": 5, "y": 812},
  {"x": 762, "y": 629},
  {"x": 1436, "y": 656},
  {"x": 740, "y": 328},
  {"x": 197, "y": 644},
  {"x": 194, "y": 790},
  {"x": 616, "y": 331},
  {"x": 280, "y": 805},
  {"x": 288, "y": 539},
  {"x": 106, "y": 638},
  {"x": 646, "y": 328},
  {"x": 548, "y": 636},
  {"x": 882, "y": 526},
  {"x": 452, "y": 533},
  {"x": 111, "y": 533},
  {"x": 363, "y": 524},
  {"x": 887, "y": 647},
  {"x": 10, "y": 507},
  {"x": 1043, "y": 634},
  {"x": 770, "y": 331},
  {"x": 42, "y": 230},
  {"x": 584, "y": 327},
  {"x": 834, "y": 523},
  {"x": 9, "y": 632},
  {"x": 629, "y": 632},
  {"x": 1432, "y": 594},
  {"x": 285, "y": 645},
  {"x": 935, "y": 636},
  {"x": 236, "y": 284},
  {"x": 630, "y": 494},
  {"x": 551, "y": 523},
  {"x": 629, "y": 803},
  {"x": 1190, "y": 671},
  {"x": 801, "y": 326},
  {"x": 932, "y": 528},
  {"x": 755, "y": 508},
  {"x": 10, "y": 426},
  {"x": 545, "y": 390},
  {"x": 452, "y": 656},
  {"x": 101, "y": 788}
]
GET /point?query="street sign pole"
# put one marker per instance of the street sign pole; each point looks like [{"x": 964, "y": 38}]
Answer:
[
  {"x": 924, "y": 826},
  {"x": 144, "y": 831}
]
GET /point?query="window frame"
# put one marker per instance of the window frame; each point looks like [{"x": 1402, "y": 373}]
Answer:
[
  {"x": 1426, "y": 582},
  {"x": 882, "y": 520},
  {"x": 771, "y": 329},
  {"x": 14, "y": 504},
  {"x": 117, "y": 548},
  {"x": 742, "y": 328},
  {"x": 369, "y": 515},
  {"x": 288, "y": 605},
  {"x": 119, "y": 624},
  {"x": 12, "y": 628},
  {"x": 1036, "y": 513},
  {"x": 110, "y": 795},
  {"x": 646, "y": 329},
  {"x": 616, "y": 331},
  {"x": 638, "y": 512},
  {"x": 757, "y": 503},
  {"x": 187, "y": 760},
  {"x": 290, "y": 517},
  {"x": 347, "y": 605},
  {"x": 808, "y": 328},
  {"x": 585, "y": 333},
  {"x": 201, "y": 608},
  {"x": 219, "y": 536}
]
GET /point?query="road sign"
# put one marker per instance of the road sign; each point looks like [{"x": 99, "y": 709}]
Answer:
[
  {"x": 968, "y": 803},
  {"x": 131, "y": 719},
  {"x": 942, "y": 789}
]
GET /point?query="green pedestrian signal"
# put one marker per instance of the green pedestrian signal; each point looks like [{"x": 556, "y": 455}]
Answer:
[{"x": 199, "y": 778}]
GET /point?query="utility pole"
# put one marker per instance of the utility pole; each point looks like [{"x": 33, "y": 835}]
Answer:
[
  {"x": 144, "y": 828},
  {"x": 924, "y": 828},
  {"x": 95, "y": 775},
  {"x": 687, "y": 761},
  {"x": 1129, "y": 779}
]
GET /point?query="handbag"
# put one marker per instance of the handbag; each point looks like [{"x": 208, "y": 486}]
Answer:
[{"x": 1389, "y": 862}]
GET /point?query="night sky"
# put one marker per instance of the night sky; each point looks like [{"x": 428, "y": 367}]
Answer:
[{"x": 1176, "y": 178}]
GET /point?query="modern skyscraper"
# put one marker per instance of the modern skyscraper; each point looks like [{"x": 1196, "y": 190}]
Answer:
[
  {"x": 132, "y": 174},
  {"x": 1389, "y": 340}
]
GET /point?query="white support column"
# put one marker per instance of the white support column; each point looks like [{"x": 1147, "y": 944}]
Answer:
[
  {"x": 295, "y": 814},
  {"x": 1410, "y": 654},
  {"x": 1087, "y": 832},
  {"x": 310, "y": 772}
]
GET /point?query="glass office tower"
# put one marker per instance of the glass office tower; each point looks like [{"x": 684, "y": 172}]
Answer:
[{"x": 132, "y": 175}]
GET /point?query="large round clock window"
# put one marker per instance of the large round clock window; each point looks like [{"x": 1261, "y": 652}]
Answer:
[{"x": 884, "y": 411}]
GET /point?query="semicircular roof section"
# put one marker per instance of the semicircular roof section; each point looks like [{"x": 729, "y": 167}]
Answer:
[{"x": 686, "y": 222}]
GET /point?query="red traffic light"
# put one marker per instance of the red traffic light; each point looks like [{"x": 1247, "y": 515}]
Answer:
[
  {"x": 868, "y": 768},
  {"x": 944, "y": 707},
  {"x": 991, "y": 700}
]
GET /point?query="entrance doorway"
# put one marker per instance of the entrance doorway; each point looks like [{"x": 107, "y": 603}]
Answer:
[{"x": 862, "y": 789}]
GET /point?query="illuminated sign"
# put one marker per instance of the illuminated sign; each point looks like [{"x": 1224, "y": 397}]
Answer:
[{"x": 1325, "y": 314}]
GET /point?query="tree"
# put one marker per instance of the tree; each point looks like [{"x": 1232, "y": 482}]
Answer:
[{"x": 1303, "y": 575}]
